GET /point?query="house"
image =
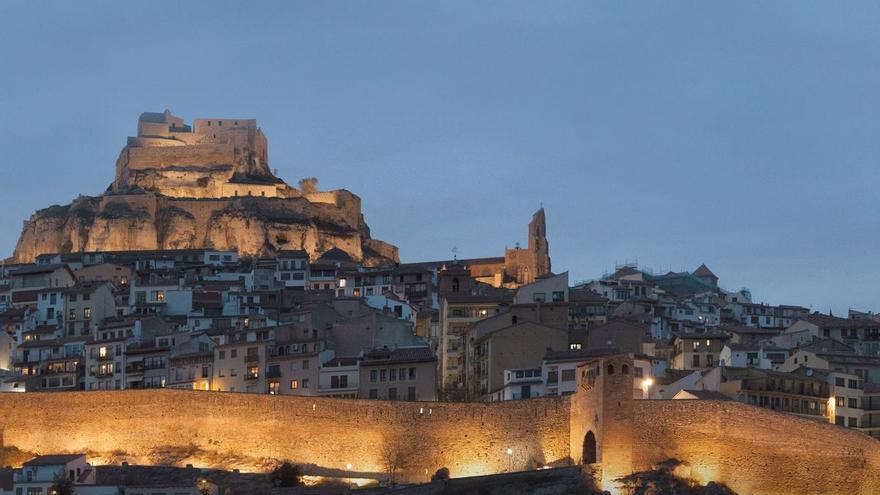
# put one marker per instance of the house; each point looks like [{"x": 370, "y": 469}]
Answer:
[
  {"x": 619, "y": 334},
  {"x": 546, "y": 288},
  {"x": 831, "y": 354},
  {"x": 340, "y": 377},
  {"x": 799, "y": 394},
  {"x": 405, "y": 373},
  {"x": 521, "y": 384},
  {"x": 519, "y": 346},
  {"x": 86, "y": 305},
  {"x": 37, "y": 475},
  {"x": 862, "y": 334},
  {"x": 458, "y": 314},
  {"x": 292, "y": 269},
  {"x": 871, "y": 410},
  {"x": 697, "y": 351},
  {"x": 762, "y": 356}
]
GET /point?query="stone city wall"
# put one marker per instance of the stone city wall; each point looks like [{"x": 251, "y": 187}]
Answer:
[
  {"x": 250, "y": 431},
  {"x": 754, "y": 450}
]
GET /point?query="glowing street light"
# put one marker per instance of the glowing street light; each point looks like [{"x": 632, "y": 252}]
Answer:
[
  {"x": 509, "y": 460},
  {"x": 348, "y": 466},
  {"x": 646, "y": 386}
]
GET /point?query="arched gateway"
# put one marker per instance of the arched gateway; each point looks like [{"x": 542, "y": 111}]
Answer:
[{"x": 589, "y": 454}]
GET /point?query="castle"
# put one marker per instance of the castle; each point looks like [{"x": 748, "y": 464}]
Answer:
[
  {"x": 213, "y": 158},
  {"x": 178, "y": 186}
]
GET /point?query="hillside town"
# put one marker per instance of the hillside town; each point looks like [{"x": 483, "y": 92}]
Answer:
[{"x": 488, "y": 329}]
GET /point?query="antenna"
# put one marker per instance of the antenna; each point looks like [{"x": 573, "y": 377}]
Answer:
[{"x": 454, "y": 254}]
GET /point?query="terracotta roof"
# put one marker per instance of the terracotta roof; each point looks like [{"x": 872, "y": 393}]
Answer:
[
  {"x": 704, "y": 271},
  {"x": 400, "y": 355}
]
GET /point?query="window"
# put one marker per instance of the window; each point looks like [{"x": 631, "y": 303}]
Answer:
[
  {"x": 102, "y": 352},
  {"x": 840, "y": 382},
  {"x": 339, "y": 381},
  {"x": 411, "y": 393},
  {"x": 233, "y": 353},
  {"x": 558, "y": 296},
  {"x": 305, "y": 383},
  {"x": 87, "y": 313},
  {"x": 253, "y": 372},
  {"x": 294, "y": 384},
  {"x": 374, "y": 393},
  {"x": 373, "y": 375},
  {"x": 274, "y": 387},
  {"x": 383, "y": 375},
  {"x": 393, "y": 376},
  {"x": 222, "y": 354},
  {"x": 72, "y": 314},
  {"x": 574, "y": 347},
  {"x": 695, "y": 362},
  {"x": 568, "y": 375},
  {"x": 841, "y": 401},
  {"x": 853, "y": 422},
  {"x": 539, "y": 297},
  {"x": 204, "y": 372},
  {"x": 412, "y": 373},
  {"x": 232, "y": 372},
  {"x": 853, "y": 403},
  {"x": 853, "y": 384},
  {"x": 392, "y": 393}
]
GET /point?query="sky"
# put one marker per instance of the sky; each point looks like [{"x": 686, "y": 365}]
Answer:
[{"x": 743, "y": 135}]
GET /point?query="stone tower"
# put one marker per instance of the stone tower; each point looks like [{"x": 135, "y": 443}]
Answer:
[
  {"x": 538, "y": 246},
  {"x": 524, "y": 266}
]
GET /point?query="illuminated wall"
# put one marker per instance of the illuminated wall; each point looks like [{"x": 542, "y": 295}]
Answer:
[
  {"x": 249, "y": 431},
  {"x": 753, "y": 450}
]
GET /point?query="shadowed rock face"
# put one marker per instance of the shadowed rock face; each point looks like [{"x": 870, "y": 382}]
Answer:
[
  {"x": 206, "y": 186},
  {"x": 254, "y": 226}
]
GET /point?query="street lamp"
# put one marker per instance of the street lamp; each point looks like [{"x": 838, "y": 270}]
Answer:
[
  {"x": 646, "y": 386},
  {"x": 509, "y": 459}
]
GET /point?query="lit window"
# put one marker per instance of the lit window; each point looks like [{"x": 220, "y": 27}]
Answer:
[
  {"x": 102, "y": 352},
  {"x": 294, "y": 384}
]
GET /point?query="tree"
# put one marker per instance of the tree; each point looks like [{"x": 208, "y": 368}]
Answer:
[
  {"x": 308, "y": 185},
  {"x": 396, "y": 456},
  {"x": 286, "y": 474},
  {"x": 442, "y": 474},
  {"x": 61, "y": 486}
]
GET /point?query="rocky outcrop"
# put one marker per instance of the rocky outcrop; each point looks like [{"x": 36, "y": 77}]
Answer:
[
  {"x": 252, "y": 225},
  {"x": 209, "y": 185}
]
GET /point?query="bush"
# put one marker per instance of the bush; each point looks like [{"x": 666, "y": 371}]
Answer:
[
  {"x": 442, "y": 474},
  {"x": 286, "y": 475}
]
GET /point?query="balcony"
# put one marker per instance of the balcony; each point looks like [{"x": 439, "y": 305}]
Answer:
[
  {"x": 134, "y": 368},
  {"x": 105, "y": 357},
  {"x": 252, "y": 358},
  {"x": 273, "y": 373}
]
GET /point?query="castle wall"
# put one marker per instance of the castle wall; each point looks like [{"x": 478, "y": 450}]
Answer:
[
  {"x": 248, "y": 431},
  {"x": 192, "y": 155}
]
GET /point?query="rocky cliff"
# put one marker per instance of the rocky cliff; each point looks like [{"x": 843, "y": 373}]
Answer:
[{"x": 192, "y": 198}]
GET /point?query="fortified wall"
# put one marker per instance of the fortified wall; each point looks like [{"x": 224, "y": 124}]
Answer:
[{"x": 752, "y": 450}]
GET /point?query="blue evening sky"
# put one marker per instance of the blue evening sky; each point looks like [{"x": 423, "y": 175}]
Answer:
[{"x": 740, "y": 134}]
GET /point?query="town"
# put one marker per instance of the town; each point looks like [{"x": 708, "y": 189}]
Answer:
[{"x": 347, "y": 320}]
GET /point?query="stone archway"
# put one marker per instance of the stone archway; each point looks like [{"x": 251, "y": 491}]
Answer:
[{"x": 589, "y": 453}]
